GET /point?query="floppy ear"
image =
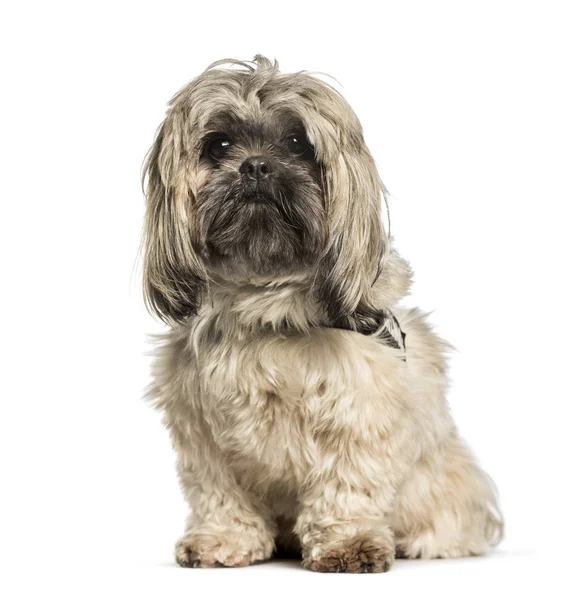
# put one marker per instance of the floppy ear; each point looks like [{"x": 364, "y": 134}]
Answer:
[
  {"x": 358, "y": 243},
  {"x": 173, "y": 272}
]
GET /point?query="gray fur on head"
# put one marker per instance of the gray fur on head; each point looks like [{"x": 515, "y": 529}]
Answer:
[{"x": 320, "y": 219}]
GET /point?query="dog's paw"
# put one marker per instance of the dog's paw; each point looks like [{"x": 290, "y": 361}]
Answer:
[
  {"x": 362, "y": 555},
  {"x": 228, "y": 550}
]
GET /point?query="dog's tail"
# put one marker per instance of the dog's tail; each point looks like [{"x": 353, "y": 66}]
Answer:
[{"x": 494, "y": 521}]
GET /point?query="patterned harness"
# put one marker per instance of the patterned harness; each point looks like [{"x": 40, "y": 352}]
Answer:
[{"x": 380, "y": 324}]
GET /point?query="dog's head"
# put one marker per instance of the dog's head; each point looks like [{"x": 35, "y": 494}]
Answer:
[{"x": 266, "y": 174}]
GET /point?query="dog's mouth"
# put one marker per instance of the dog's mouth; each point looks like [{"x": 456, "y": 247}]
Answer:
[
  {"x": 257, "y": 194},
  {"x": 257, "y": 197}
]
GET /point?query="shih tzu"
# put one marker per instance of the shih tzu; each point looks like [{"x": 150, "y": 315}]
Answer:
[{"x": 307, "y": 407}]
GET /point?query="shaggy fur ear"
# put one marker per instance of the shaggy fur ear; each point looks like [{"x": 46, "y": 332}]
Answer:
[
  {"x": 358, "y": 242},
  {"x": 173, "y": 273}
]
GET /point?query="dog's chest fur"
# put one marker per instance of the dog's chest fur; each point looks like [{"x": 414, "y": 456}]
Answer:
[
  {"x": 272, "y": 401},
  {"x": 260, "y": 398},
  {"x": 273, "y": 389}
]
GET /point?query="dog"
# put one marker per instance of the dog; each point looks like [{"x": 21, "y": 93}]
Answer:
[{"x": 307, "y": 407}]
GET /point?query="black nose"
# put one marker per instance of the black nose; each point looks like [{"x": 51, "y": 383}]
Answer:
[{"x": 256, "y": 167}]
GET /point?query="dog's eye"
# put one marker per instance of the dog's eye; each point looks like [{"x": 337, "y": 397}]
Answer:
[
  {"x": 299, "y": 145},
  {"x": 218, "y": 147}
]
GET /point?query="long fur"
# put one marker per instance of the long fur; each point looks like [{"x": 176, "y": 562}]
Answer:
[{"x": 294, "y": 431}]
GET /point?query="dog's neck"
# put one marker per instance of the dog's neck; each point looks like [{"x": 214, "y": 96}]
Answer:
[
  {"x": 276, "y": 305},
  {"x": 243, "y": 305}
]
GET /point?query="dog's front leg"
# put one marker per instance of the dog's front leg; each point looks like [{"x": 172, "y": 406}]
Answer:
[
  {"x": 227, "y": 526},
  {"x": 358, "y": 460},
  {"x": 342, "y": 529}
]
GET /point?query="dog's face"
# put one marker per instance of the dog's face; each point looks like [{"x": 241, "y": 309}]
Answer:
[
  {"x": 262, "y": 174},
  {"x": 260, "y": 204}
]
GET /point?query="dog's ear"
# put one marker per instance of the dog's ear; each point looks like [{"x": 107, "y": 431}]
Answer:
[
  {"x": 358, "y": 243},
  {"x": 173, "y": 272}
]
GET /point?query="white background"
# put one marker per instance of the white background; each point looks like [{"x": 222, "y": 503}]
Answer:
[{"x": 464, "y": 107}]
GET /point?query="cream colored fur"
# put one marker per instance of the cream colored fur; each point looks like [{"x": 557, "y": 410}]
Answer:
[{"x": 321, "y": 440}]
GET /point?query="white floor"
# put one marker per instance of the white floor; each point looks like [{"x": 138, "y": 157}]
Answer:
[{"x": 505, "y": 574}]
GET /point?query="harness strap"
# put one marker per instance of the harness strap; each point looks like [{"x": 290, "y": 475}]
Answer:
[
  {"x": 390, "y": 331},
  {"x": 380, "y": 324}
]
